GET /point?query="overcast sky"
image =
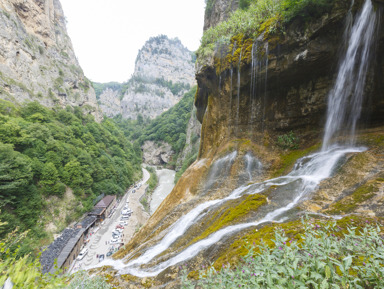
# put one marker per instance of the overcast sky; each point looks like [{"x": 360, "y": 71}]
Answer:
[{"x": 107, "y": 34}]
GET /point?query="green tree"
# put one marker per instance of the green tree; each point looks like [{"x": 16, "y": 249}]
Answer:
[{"x": 15, "y": 173}]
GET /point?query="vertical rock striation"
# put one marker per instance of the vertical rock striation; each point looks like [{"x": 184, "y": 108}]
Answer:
[
  {"x": 37, "y": 60},
  {"x": 164, "y": 71}
]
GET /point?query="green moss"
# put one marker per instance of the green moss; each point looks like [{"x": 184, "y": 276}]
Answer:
[
  {"x": 351, "y": 202},
  {"x": 293, "y": 230},
  {"x": 228, "y": 215},
  {"x": 287, "y": 160}
]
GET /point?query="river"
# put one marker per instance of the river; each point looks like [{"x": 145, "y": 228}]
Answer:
[{"x": 166, "y": 183}]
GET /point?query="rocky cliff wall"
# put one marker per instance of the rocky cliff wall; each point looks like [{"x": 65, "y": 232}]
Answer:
[
  {"x": 110, "y": 103},
  {"x": 164, "y": 72},
  {"x": 37, "y": 60},
  {"x": 262, "y": 89},
  {"x": 217, "y": 11}
]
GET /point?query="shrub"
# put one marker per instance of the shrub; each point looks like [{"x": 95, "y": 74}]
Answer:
[
  {"x": 288, "y": 141},
  {"x": 320, "y": 259}
]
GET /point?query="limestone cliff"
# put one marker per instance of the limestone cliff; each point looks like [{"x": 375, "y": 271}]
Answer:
[
  {"x": 164, "y": 71},
  {"x": 37, "y": 60},
  {"x": 110, "y": 103}
]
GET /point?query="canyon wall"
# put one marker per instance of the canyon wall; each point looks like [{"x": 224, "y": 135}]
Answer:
[{"x": 37, "y": 60}]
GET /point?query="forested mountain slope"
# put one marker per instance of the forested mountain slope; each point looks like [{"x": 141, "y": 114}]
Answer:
[{"x": 51, "y": 155}]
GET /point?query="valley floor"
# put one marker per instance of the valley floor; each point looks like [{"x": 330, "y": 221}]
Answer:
[{"x": 99, "y": 242}]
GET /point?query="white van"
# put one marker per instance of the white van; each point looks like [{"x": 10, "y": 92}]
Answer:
[{"x": 82, "y": 254}]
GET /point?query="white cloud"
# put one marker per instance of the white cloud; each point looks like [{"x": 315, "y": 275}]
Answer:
[{"x": 107, "y": 34}]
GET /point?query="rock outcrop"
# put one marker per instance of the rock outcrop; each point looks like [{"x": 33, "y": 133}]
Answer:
[
  {"x": 217, "y": 11},
  {"x": 157, "y": 154},
  {"x": 37, "y": 60},
  {"x": 292, "y": 75},
  {"x": 164, "y": 71},
  {"x": 192, "y": 140},
  {"x": 110, "y": 103}
]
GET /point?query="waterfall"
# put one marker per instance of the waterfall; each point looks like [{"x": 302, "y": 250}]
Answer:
[
  {"x": 345, "y": 98},
  {"x": 265, "y": 85},
  {"x": 289, "y": 190},
  {"x": 238, "y": 92},
  {"x": 231, "y": 87},
  {"x": 308, "y": 172},
  {"x": 252, "y": 164},
  {"x": 253, "y": 83},
  {"x": 220, "y": 169}
]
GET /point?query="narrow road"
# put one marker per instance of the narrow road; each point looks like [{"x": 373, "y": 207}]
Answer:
[
  {"x": 139, "y": 216},
  {"x": 99, "y": 241}
]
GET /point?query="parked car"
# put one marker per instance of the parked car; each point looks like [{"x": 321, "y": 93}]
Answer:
[
  {"x": 119, "y": 227},
  {"x": 119, "y": 230},
  {"x": 114, "y": 241},
  {"x": 101, "y": 257},
  {"x": 82, "y": 254},
  {"x": 123, "y": 223},
  {"x": 109, "y": 253}
]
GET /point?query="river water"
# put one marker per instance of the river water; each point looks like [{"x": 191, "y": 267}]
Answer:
[{"x": 166, "y": 183}]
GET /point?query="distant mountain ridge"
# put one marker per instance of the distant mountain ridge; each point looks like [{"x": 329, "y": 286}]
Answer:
[{"x": 164, "y": 72}]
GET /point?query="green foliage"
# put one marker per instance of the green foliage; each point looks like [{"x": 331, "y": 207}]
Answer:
[
  {"x": 152, "y": 184},
  {"x": 288, "y": 141},
  {"x": 252, "y": 17},
  {"x": 100, "y": 87},
  {"x": 209, "y": 7},
  {"x": 186, "y": 163},
  {"x": 169, "y": 127},
  {"x": 43, "y": 151},
  {"x": 323, "y": 258},
  {"x": 244, "y": 4}
]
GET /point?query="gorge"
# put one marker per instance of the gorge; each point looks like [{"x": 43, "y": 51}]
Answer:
[
  {"x": 290, "y": 100},
  {"x": 246, "y": 98}
]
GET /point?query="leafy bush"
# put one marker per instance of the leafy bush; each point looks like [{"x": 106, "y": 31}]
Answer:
[
  {"x": 320, "y": 259},
  {"x": 288, "y": 141}
]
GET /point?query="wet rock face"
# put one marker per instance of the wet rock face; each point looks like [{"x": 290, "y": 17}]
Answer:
[
  {"x": 37, "y": 61},
  {"x": 280, "y": 84}
]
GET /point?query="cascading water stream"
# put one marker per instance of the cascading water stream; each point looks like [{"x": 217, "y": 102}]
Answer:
[
  {"x": 231, "y": 86},
  {"x": 238, "y": 92},
  {"x": 300, "y": 183},
  {"x": 345, "y": 99},
  {"x": 252, "y": 164},
  {"x": 253, "y": 84},
  {"x": 265, "y": 85}
]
